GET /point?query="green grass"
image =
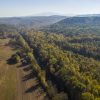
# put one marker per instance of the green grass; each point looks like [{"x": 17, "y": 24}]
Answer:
[{"x": 7, "y": 72}]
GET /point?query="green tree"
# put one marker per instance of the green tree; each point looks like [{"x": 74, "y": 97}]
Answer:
[{"x": 87, "y": 96}]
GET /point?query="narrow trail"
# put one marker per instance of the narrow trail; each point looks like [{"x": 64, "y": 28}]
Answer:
[{"x": 28, "y": 87}]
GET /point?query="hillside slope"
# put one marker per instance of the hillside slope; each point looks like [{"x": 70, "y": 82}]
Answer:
[{"x": 77, "y": 25}]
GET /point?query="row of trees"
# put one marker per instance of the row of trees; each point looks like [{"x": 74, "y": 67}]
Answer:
[{"x": 41, "y": 74}]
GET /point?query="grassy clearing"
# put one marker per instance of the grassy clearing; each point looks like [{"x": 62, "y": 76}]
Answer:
[{"x": 7, "y": 72}]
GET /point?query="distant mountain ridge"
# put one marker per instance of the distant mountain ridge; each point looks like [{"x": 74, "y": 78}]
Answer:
[
  {"x": 32, "y": 21},
  {"x": 89, "y": 15},
  {"x": 80, "y": 21}
]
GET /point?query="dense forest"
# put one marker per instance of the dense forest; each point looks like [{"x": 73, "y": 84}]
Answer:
[{"x": 66, "y": 58}]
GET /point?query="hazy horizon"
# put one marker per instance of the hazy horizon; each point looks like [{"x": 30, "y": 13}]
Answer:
[{"x": 15, "y": 8}]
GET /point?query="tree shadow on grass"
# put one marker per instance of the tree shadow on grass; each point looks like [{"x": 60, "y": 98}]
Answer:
[
  {"x": 10, "y": 61},
  {"x": 28, "y": 76},
  {"x": 28, "y": 68},
  {"x": 33, "y": 88}
]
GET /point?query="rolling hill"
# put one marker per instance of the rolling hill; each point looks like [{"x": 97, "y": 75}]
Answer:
[
  {"x": 77, "y": 25},
  {"x": 36, "y": 21}
]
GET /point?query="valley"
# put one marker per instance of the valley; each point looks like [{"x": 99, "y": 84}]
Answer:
[{"x": 58, "y": 61}]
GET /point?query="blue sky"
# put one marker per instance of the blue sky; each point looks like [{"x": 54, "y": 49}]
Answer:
[{"x": 32, "y": 7}]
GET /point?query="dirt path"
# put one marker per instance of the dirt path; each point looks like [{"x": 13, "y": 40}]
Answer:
[{"x": 28, "y": 87}]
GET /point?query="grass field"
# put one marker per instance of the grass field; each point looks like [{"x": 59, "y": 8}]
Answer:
[{"x": 7, "y": 72}]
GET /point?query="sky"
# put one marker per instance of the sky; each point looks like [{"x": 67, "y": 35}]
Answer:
[{"x": 11, "y": 8}]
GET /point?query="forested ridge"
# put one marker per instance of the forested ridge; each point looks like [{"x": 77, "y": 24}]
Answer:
[
  {"x": 67, "y": 65},
  {"x": 76, "y": 25}
]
